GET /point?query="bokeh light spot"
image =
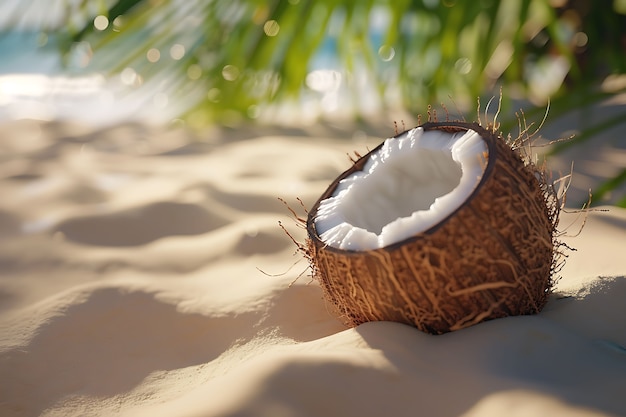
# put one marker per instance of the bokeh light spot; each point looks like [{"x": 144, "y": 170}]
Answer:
[
  {"x": 194, "y": 72},
  {"x": 386, "y": 53},
  {"x": 101, "y": 22},
  {"x": 463, "y": 66},
  {"x": 128, "y": 76},
  {"x": 117, "y": 23},
  {"x": 271, "y": 28},
  {"x": 580, "y": 39},
  {"x": 177, "y": 51},
  {"x": 214, "y": 95},
  {"x": 153, "y": 55},
  {"x": 230, "y": 72}
]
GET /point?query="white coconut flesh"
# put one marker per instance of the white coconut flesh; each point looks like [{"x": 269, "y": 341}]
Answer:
[{"x": 411, "y": 183}]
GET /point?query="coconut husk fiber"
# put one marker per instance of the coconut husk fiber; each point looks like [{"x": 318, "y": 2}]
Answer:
[{"x": 495, "y": 256}]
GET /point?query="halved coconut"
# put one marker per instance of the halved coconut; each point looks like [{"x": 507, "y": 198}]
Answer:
[{"x": 440, "y": 227}]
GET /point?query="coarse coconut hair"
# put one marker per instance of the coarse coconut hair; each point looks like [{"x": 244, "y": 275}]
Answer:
[{"x": 489, "y": 250}]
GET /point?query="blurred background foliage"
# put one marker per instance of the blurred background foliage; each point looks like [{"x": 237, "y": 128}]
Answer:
[
  {"x": 239, "y": 57},
  {"x": 258, "y": 60}
]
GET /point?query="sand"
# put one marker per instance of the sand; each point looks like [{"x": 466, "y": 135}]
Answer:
[{"x": 143, "y": 273}]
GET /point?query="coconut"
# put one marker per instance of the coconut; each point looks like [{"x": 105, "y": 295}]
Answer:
[{"x": 440, "y": 227}]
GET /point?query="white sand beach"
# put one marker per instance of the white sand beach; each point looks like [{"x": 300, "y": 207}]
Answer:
[{"x": 143, "y": 273}]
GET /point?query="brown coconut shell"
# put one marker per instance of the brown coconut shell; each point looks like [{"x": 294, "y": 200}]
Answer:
[{"x": 492, "y": 257}]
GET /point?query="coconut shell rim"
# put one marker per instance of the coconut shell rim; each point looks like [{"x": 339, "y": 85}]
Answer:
[{"x": 488, "y": 136}]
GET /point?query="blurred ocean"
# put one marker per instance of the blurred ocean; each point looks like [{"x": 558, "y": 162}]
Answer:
[{"x": 34, "y": 84}]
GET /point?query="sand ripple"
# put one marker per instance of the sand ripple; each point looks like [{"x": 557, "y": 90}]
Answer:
[{"x": 143, "y": 273}]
